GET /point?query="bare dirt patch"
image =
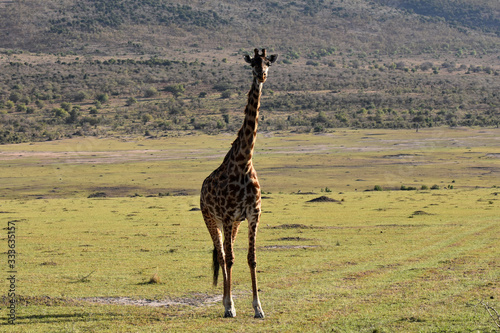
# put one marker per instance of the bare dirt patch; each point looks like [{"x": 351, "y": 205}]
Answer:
[
  {"x": 294, "y": 239},
  {"x": 288, "y": 247},
  {"x": 292, "y": 226},
  {"x": 196, "y": 300},
  {"x": 401, "y": 155}
]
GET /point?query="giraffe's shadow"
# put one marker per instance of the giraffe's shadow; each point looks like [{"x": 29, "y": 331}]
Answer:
[{"x": 58, "y": 318}]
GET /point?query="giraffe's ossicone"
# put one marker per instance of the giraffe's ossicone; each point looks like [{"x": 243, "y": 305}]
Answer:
[{"x": 231, "y": 193}]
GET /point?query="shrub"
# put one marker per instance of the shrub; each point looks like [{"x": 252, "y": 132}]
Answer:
[
  {"x": 21, "y": 107},
  {"x": 150, "y": 92},
  {"x": 130, "y": 101},
  {"x": 424, "y": 187},
  {"x": 60, "y": 113},
  {"x": 103, "y": 97},
  {"x": 66, "y": 106},
  {"x": 80, "y": 96},
  {"x": 378, "y": 188},
  {"x": 146, "y": 118},
  {"x": 223, "y": 86},
  {"x": 435, "y": 187},
  {"x": 408, "y": 188},
  {"x": 176, "y": 89},
  {"x": 39, "y": 104},
  {"x": 97, "y": 195}
]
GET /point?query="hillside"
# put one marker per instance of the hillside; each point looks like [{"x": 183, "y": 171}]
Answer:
[{"x": 129, "y": 67}]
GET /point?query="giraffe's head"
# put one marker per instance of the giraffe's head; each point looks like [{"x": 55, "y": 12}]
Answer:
[{"x": 260, "y": 64}]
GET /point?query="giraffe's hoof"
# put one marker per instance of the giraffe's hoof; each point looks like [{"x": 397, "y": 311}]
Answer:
[
  {"x": 231, "y": 313},
  {"x": 259, "y": 314}
]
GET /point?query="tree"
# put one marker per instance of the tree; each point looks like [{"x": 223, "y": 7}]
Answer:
[
  {"x": 15, "y": 96},
  {"x": 73, "y": 115}
]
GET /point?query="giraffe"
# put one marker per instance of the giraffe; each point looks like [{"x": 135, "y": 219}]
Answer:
[{"x": 231, "y": 193}]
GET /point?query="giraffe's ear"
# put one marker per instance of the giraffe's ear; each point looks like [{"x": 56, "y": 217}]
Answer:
[
  {"x": 247, "y": 59},
  {"x": 273, "y": 58}
]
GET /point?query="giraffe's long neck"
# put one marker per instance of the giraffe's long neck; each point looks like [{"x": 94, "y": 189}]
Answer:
[{"x": 248, "y": 132}]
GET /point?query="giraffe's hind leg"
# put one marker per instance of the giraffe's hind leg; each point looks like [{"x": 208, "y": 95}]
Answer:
[
  {"x": 229, "y": 232},
  {"x": 253, "y": 223},
  {"x": 214, "y": 229}
]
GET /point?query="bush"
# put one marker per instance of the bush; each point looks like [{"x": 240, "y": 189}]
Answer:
[
  {"x": 176, "y": 89},
  {"x": 150, "y": 92},
  {"x": 60, "y": 113},
  {"x": 435, "y": 187},
  {"x": 80, "y": 96},
  {"x": 21, "y": 107},
  {"x": 378, "y": 188},
  {"x": 66, "y": 106},
  {"x": 130, "y": 101},
  {"x": 223, "y": 86},
  {"x": 9, "y": 104},
  {"x": 147, "y": 118},
  {"x": 39, "y": 104},
  {"x": 103, "y": 97},
  {"x": 97, "y": 195}
]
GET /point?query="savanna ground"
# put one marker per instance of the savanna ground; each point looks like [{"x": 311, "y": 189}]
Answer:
[{"x": 388, "y": 261}]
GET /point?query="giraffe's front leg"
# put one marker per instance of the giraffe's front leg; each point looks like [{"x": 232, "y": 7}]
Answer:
[{"x": 253, "y": 223}]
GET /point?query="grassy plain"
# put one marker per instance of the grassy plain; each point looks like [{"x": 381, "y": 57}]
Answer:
[{"x": 385, "y": 261}]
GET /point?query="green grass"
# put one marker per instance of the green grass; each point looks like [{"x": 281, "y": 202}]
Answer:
[{"x": 385, "y": 261}]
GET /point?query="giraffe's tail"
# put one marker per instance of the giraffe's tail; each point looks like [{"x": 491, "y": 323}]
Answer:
[{"x": 215, "y": 266}]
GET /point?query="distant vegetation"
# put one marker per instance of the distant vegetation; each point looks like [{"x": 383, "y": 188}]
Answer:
[
  {"x": 129, "y": 67},
  {"x": 94, "y": 16},
  {"x": 481, "y": 15}
]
